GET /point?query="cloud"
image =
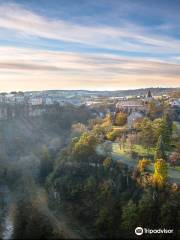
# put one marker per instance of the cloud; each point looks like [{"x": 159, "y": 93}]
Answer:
[
  {"x": 27, "y": 68},
  {"x": 126, "y": 36},
  {"x": 41, "y": 69}
]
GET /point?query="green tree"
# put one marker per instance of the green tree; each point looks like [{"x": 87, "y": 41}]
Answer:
[
  {"x": 166, "y": 131},
  {"x": 160, "y": 149},
  {"x": 148, "y": 210},
  {"x": 104, "y": 222},
  {"x": 154, "y": 109},
  {"x": 168, "y": 215},
  {"x": 129, "y": 217},
  {"x": 31, "y": 222},
  {"x": 146, "y": 134}
]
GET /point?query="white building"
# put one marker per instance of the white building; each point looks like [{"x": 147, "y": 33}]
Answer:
[
  {"x": 19, "y": 99},
  {"x": 35, "y": 101},
  {"x": 48, "y": 101}
]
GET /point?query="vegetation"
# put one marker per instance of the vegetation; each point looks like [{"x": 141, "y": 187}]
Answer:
[
  {"x": 160, "y": 151},
  {"x": 64, "y": 162},
  {"x": 121, "y": 119},
  {"x": 143, "y": 164},
  {"x": 160, "y": 173}
]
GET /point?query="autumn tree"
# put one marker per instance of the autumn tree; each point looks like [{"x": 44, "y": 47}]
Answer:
[
  {"x": 107, "y": 163},
  {"x": 143, "y": 164},
  {"x": 107, "y": 121},
  {"x": 84, "y": 147},
  {"x": 121, "y": 119},
  {"x": 160, "y": 173},
  {"x": 112, "y": 135}
]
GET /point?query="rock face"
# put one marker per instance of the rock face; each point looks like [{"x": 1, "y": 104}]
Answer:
[
  {"x": 6, "y": 220},
  {"x": 8, "y": 111},
  {"x": 8, "y": 228}
]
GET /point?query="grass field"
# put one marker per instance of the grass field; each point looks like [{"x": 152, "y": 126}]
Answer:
[
  {"x": 139, "y": 150},
  {"x": 120, "y": 155}
]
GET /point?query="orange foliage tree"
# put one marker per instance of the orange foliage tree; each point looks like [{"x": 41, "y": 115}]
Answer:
[{"x": 160, "y": 173}]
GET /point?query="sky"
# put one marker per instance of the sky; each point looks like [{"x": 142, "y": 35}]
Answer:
[{"x": 89, "y": 44}]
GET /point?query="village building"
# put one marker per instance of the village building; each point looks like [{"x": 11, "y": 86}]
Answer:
[
  {"x": 35, "y": 101},
  {"x": 135, "y": 108},
  {"x": 129, "y": 106},
  {"x": 132, "y": 118},
  {"x": 134, "y": 105}
]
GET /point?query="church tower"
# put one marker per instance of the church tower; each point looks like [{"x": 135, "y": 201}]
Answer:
[
  {"x": 149, "y": 94},
  {"x": 148, "y": 97}
]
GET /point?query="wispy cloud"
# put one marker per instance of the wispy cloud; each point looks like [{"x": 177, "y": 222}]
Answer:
[
  {"x": 29, "y": 68},
  {"x": 126, "y": 36},
  {"x": 75, "y": 70}
]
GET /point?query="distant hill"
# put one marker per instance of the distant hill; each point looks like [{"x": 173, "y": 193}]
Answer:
[
  {"x": 117, "y": 93},
  {"x": 120, "y": 93}
]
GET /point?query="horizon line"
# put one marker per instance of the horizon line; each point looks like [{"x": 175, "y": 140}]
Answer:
[{"x": 89, "y": 90}]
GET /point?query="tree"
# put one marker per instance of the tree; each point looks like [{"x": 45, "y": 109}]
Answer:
[
  {"x": 148, "y": 210},
  {"x": 166, "y": 130},
  {"x": 146, "y": 134},
  {"x": 160, "y": 149},
  {"x": 143, "y": 164},
  {"x": 46, "y": 165},
  {"x": 107, "y": 162},
  {"x": 168, "y": 215},
  {"x": 154, "y": 109},
  {"x": 160, "y": 173},
  {"x": 157, "y": 129},
  {"x": 31, "y": 221},
  {"x": 121, "y": 119},
  {"x": 78, "y": 129},
  {"x": 129, "y": 217},
  {"x": 112, "y": 135},
  {"x": 104, "y": 222},
  {"x": 85, "y": 147},
  {"x": 108, "y": 120},
  {"x": 174, "y": 158}
]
